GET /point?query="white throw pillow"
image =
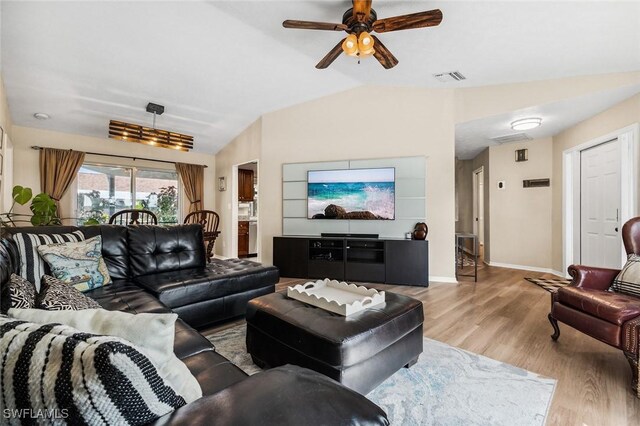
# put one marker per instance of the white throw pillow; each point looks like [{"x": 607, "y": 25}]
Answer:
[{"x": 153, "y": 334}]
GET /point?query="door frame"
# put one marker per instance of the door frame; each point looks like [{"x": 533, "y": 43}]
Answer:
[
  {"x": 476, "y": 201},
  {"x": 234, "y": 209},
  {"x": 629, "y": 149}
]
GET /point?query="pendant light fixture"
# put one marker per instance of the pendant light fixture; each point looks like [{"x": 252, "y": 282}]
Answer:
[{"x": 129, "y": 132}]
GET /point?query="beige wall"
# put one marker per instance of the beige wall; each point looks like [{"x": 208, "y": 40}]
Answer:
[
  {"x": 622, "y": 115},
  {"x": 244, "y": 148},
  {"x": 482, "y": 160},
  {"x": 464, "y": 194},
  {"x": 26, "y": 171},
  {"x": 521, "y": 217},
  {"x": 5, "y": 123},
  {"x": 368, "y": 122}
]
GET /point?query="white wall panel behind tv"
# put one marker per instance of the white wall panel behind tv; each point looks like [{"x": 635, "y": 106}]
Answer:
[
  {"x": 294, "y": 190},
  {"x": 304, "y": 226},
  {"x": 294, "y": 208},
  {"x": 410, "y": 203},
  {"x": 298, "y": 171}
]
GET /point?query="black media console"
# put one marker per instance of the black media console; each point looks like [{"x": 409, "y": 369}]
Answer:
[{"x": 391, "y": 261}]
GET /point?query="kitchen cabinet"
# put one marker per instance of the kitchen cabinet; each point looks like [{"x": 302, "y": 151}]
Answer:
[
  {"x": 245, "y": 185},
  {"x": 243, "y": 238}
]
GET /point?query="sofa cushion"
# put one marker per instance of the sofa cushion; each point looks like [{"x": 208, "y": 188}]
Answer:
[
  {"x": 156, "y": 249},
  {"x": 79, "y": 264},
  {"x": 119, "y": 385},
  {"x": 32, "y": 266},
  {"x": 189, "y": 342},
  {"x": 612, "y": 307},
  {"x": 22, "y": 293},
  {"x": 287, "y": 395},
  {"x": 220, "y": 278},
  {"x": 123, "y": 295},
  {"x": 58, "y": 296},
  {"x": 152, "y": 334},
  {"x": 114, "y": 248},
  {"x": 213, "y": 371}
]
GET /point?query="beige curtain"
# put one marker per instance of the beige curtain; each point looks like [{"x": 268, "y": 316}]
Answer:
[
  {"x": 192, "y": 177},
  {"x": 58, "y": 168}
]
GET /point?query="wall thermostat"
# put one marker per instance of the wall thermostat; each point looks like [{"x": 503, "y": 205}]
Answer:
[{"x": 501, "y": 184}]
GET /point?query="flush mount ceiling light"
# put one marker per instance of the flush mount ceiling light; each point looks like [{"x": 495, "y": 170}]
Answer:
[
  {"x": 41, "y": 116},
  {"x": 150, "y": 135},
  {"x": 526, "y": 123}
]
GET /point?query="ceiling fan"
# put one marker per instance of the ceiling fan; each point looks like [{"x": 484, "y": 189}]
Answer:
[{"x": 358, "y": 22}]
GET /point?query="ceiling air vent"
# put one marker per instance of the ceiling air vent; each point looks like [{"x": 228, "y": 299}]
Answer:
[
  {"x": 516, "y": 137},
  {"x": 447, "y": 77}
]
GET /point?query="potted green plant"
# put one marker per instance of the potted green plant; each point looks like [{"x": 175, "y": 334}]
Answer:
[{"x": 44, "y": 211}]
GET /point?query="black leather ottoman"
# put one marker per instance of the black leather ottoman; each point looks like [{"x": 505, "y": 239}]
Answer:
[{"x": 359, "y": 351}]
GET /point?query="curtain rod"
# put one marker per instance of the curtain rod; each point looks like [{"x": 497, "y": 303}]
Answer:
[{"x": 123, "y": 156}]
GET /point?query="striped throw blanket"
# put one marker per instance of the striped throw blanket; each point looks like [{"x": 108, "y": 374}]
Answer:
[{"x": 54, "y": 374}]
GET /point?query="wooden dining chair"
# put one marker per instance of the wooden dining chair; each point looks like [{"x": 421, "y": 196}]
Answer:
[
  {"x": 210, "y": 221},
  {"x": 134, "y": 217}
]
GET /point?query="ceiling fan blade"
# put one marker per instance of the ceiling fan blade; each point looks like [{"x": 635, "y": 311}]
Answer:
[
  {"x": 430, "y": 18},
  {"x": 383, "y": 55},
  {"x": 309, "y": 25},
  {"x": 361, "y": 10},
  {"x": 330, "y": 57}
]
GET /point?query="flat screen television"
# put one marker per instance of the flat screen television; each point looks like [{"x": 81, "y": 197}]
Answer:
[{"x": 354, "y": 194}]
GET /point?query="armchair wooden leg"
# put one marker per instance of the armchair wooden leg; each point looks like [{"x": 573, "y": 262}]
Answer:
[
  {"x": 633, "y": 363},
  {"x": 556, "y": 329}
]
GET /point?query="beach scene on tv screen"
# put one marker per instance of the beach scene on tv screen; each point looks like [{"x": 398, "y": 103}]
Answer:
[{"x": 366, "y": 194}]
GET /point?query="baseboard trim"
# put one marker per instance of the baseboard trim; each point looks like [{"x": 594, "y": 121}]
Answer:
[
  {"x": 448, "y": 280},
  {"x": 560, "y": 274},
  {"x": 524, "y": 268}
]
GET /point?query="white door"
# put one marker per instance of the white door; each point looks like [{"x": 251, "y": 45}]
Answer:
[{"x": 600, "y": 240}]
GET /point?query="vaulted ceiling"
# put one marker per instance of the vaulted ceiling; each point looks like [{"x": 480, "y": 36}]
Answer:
[{"x": 218, "y": 65}]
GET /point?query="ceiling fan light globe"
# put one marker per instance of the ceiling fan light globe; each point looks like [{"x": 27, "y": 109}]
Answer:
[
  {"x": 350, "y": 45},
  {"x": 367, "y": 53}
]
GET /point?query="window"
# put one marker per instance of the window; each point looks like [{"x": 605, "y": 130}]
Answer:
[{"x": 105, "y": 190}]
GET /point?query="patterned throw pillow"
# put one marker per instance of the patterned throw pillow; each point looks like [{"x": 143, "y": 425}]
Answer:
[
  {"x": 79, "y": 264},
  {"x": 628, "y": 280},
  {"x": 81, "y": 378},
  {"x": 58, "y": 296},
  {"x": 21, "y": 292},
  {"x": 32, "y": 266}
]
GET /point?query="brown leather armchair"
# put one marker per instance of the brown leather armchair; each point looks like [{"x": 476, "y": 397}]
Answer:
[{"x": 588, "y": 306}]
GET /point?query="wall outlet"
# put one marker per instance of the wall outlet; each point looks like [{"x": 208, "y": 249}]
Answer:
[{"x": 501, "y": 184}]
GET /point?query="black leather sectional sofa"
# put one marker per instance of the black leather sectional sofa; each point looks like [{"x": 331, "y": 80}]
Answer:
[{"x": 157, "y": 269}]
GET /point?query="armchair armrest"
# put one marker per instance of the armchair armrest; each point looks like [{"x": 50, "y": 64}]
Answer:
[
  {"x": 592, "y": 277},
  {"x": 287, "y": 395}
]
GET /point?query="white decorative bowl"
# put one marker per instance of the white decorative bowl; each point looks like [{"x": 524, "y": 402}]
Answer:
[{"x": 339, "y": 297}]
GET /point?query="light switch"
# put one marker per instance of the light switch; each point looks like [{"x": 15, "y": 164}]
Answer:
[{"x": 501, "y": 184}]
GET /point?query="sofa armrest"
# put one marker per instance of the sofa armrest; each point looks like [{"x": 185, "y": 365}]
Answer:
[
  {"x": 287, "y": 395},
  {"x": 592, "y": 277}
]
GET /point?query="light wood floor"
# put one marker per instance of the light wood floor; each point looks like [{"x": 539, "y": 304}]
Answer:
[{"x": 504, "y": 317}]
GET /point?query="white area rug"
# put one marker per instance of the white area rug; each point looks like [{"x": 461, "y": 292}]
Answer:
[{"x": 448, "y": 386}]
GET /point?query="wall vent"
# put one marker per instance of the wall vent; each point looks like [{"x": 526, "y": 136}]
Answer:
[
  {"x": 447, "y": 77},
  {"x": 516, "y": 137}
]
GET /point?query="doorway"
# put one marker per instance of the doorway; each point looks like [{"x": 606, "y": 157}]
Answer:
[
  {"x": 246, "y": 200},
  {"x": 478, "y": 208},
  {"x": 600, "y": 205},
  {"x": 620, "y": 150}
]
